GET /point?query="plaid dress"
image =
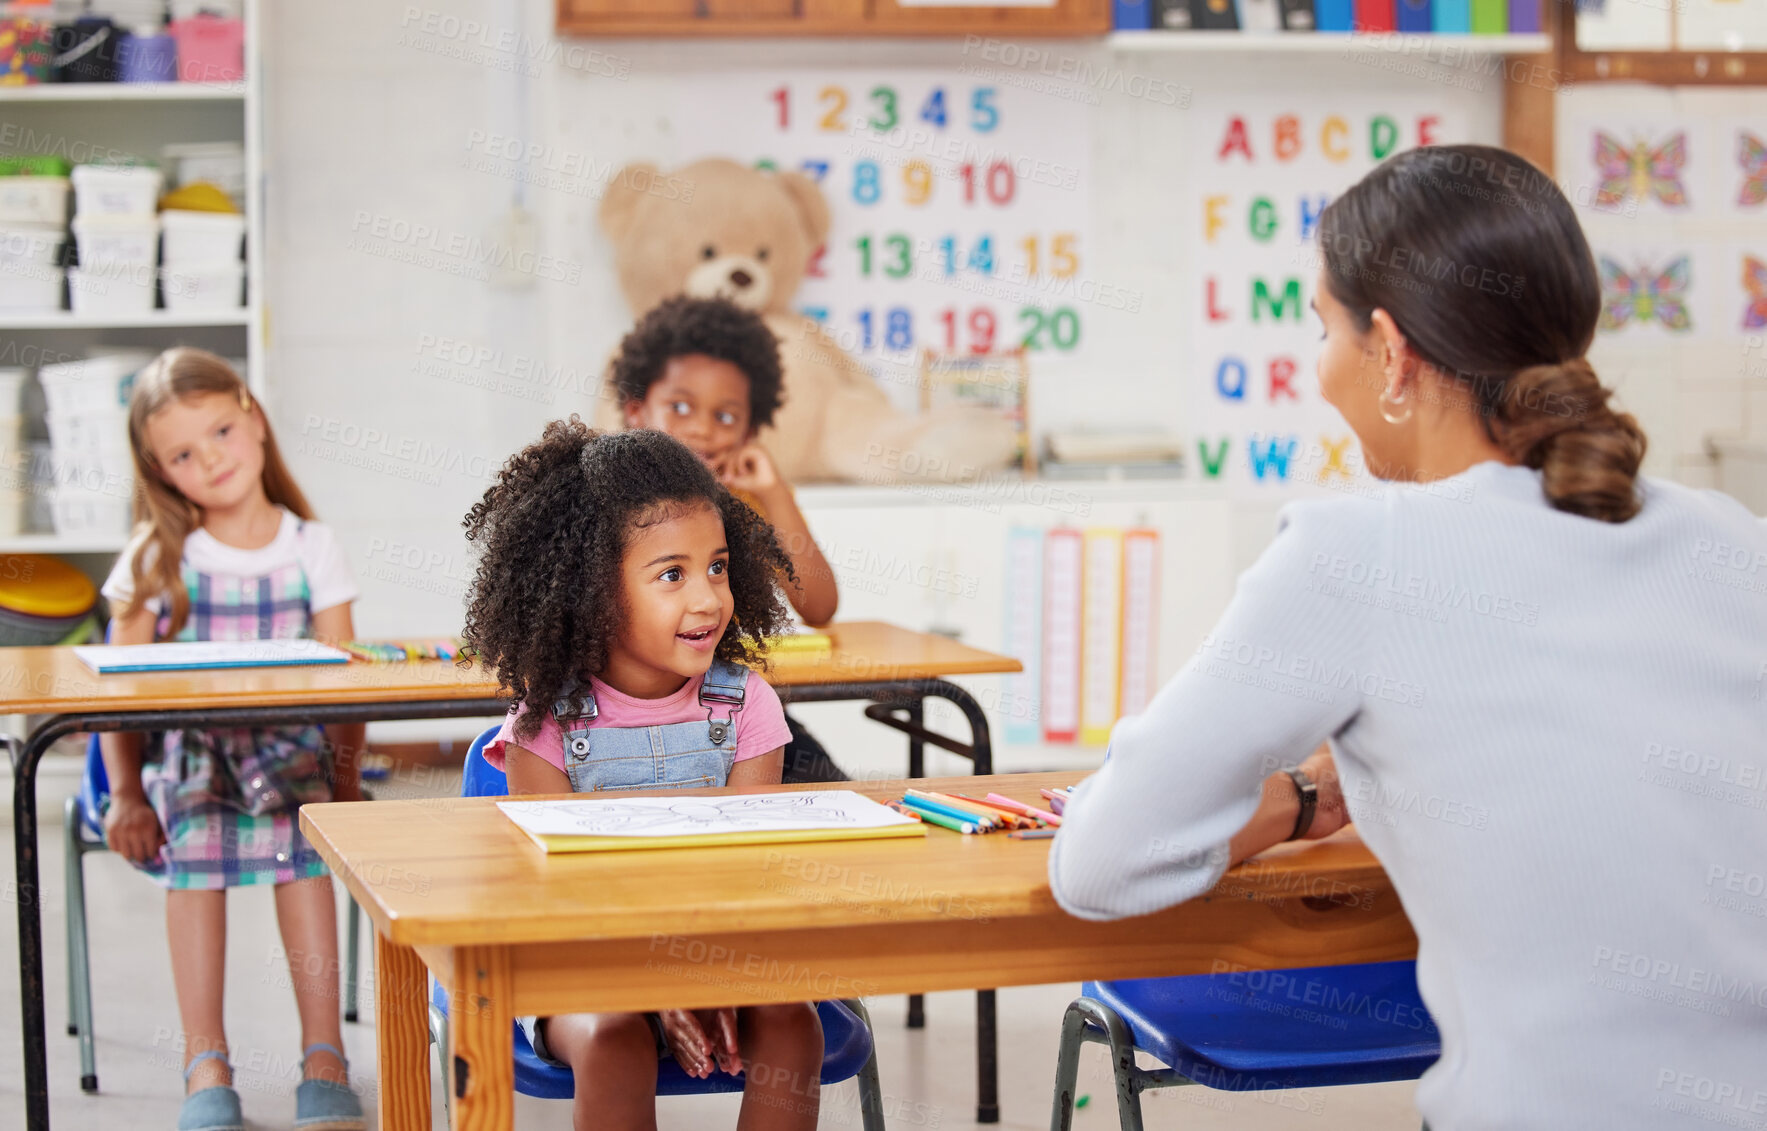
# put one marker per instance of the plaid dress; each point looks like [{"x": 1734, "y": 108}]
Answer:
[{"x": 227, "y": 799}]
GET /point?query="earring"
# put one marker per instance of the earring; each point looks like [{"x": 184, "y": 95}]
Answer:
[{"x": 1388, "y": 415}]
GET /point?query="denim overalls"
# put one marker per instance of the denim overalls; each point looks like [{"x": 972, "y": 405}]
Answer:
[{"x": 682, "y": 755}]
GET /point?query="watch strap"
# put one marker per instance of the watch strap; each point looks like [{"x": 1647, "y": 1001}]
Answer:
[{"x": 1308, "y": 793}]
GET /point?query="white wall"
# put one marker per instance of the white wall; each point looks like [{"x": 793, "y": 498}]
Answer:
[{"x": 371, "y": 121}]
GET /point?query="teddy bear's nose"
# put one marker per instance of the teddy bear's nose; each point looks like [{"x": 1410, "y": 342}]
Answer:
[{"x": 741, "y": 278}]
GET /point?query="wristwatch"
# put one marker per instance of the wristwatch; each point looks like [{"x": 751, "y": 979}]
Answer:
[{"x": 1309, "y": 795}]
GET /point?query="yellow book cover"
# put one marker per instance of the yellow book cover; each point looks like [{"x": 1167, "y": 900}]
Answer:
[{"x": 604, "y": 824}]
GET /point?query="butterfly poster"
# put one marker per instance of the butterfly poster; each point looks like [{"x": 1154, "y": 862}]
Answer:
[
  {"x": 1642, "y": 293},
  {"x": 1754, "y": 286},
  {"x": 1638, "y": 169},
  {"x": 1751, "y": 167}
]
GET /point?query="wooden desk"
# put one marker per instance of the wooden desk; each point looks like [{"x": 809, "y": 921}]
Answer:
[
  {"x": 870, "y": 660},
  {"x": 453, "y": 887}
]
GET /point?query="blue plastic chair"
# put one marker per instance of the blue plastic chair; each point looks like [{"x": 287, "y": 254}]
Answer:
[
  {"x": 848, "y": 1049},
  {"x": 1250, "y": 1031},
  {"x": 82, "y": 826}
]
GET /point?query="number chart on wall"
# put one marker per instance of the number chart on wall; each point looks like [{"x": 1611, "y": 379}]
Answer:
[
  {"x": 958, "y": 207},
  {"x": 1265, "y": 171}
]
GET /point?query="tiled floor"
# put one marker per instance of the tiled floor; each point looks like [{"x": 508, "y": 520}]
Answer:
[{"x": 927, "y": 1075}]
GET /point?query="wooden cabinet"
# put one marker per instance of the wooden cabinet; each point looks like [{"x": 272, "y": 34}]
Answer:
[{"x": 825, "y": 17}]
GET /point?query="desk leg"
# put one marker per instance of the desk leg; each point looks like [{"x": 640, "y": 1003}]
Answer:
[
  {"x": 401, "y": 1032},
  {"x": 916, "y": 769},
  {"x": 481, "y": 1029},
  {"x": 26, "y": 894},
  {"x": 987, "y": 1057}
]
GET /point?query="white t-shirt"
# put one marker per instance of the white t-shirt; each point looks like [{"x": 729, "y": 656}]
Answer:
[{"x": 310, "y": 544}]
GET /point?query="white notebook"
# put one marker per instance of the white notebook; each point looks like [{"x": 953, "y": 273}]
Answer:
[{"x": 108, "y": 658}]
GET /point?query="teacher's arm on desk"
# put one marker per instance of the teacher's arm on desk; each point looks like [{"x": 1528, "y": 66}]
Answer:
[{"x": 1194, "y": 784}]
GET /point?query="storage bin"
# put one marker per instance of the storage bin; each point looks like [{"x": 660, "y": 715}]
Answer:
[
  {"x": 97, "y": 384},
  {"x": 89, "y": 512},
  {"x": 34, "y": 165},
  {"x": 85, "y": 50},
  {"x": 12, "y": 391},
  {"x": 34, "y": 200},
  {"x": 24, "y": 52},
  {"x": 102, "y": 436},
  {"x": 117, "y": 239},
  {"x": 218, "y": 286},
  {"x": 202, "y": 239},
  {"x": 219, "y": 163},
  {"x": 116, "y": 190},
  {"x": 109, "y": 473},
  {"x": 210, "y": 49},
  {"x": 30, "y": 243},
  {"x": 111, "y": 290},
  {"x": 29, "y": 288},
  {"x": 147, "y": 58}
]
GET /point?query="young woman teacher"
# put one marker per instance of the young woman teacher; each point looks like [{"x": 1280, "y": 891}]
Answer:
[{"x": 1542, "y": 677}]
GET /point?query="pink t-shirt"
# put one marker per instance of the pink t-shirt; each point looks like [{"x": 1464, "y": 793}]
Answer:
[{"x": 760, "y": 725}]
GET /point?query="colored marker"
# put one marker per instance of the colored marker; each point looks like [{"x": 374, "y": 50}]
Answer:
[
  {"x": 945, "y": 822},
  {"x": 1031, "y": 834},
  {"x": 957, "y": 815},
  {"x": 1013, "y": 815},
  {"x": 1027, "y": 810},
  {"x": 982, "y": 814}
]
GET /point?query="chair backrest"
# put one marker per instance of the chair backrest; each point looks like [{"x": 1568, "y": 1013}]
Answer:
[
  {"x": 478, "y": 778},
  {"x": 94, "y": 784}
]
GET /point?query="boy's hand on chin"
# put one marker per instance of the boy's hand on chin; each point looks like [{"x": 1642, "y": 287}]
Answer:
[{"x": 749, "y": 469}]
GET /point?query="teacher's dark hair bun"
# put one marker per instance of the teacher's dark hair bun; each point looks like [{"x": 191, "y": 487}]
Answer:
[{"x": 1480, "y": 261}]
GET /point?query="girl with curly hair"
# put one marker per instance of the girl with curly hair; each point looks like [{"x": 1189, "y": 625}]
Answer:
[{"x": 620, "y": 593}]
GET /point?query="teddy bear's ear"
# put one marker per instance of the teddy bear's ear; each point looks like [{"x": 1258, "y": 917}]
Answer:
[
  {"x": 811, "y": 206},
  {"x": 623, "y": 194}
]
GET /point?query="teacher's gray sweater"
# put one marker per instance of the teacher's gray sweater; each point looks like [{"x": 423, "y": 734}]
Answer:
[{"x": 1552, "y": 732}]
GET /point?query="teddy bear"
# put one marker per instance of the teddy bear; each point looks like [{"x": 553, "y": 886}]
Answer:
[{"x": 716, "y": 228}]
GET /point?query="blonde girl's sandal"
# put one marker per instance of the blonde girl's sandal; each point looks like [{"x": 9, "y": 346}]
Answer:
[
  {"x": 210, "y": 1109},
  {"x": 324, "y": 1105}
]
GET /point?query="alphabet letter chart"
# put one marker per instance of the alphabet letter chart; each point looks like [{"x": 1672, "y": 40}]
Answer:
[
  {"x": 959, "y": 206},
  {"x": 1266, "y": 169}
]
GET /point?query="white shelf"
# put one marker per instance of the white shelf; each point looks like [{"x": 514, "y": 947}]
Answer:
[
  {"x": 124, "y": 92},
  {"x": 62, "y": 543},
  {"x": 68, "y": 320},
  {"x": 1422, "y": 46}
]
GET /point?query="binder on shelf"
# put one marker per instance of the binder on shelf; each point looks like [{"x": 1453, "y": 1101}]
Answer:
[
  {"x": 1061, "y": 634},
  {"x": 1101, "y": 636},
  {"x": 1524, "y": 16},
  {"x": 1414, "y": 16},
  {"x": 1213, "y": 15},
  {"x": 1334, "y": 15},
  {"x": 1169, "y": 15},
  {"x": 1375, "y": 16},
  {"x": 1141, "y": 579},
  {"x": 1023, "y": 632},
  {"x": 1451, "y": 17},
  {"x": 1490, "y": 17},
  {"x": 1297, "y": 15},
  {"x": 1131, "y": 15},
  {"x": 1259, "y": 16}
]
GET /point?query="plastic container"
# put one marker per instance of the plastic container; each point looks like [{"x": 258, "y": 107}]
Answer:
[
  {"x": 100, "y": 436},
  {"x": 89, "y": 512},
  {"x": 111, "y": 290},
  {"x": 220, "y": 163},
  {"x": 210, "y": 49},
  {"x": 202, "y": 239},
  {"x": 85, "y": 50},
  {"x": 29, "y": 243},
  {"x": 147, "y": 58},
  {"x": 98, "y": 384},
  {"x": 117, "y": 239},
  {"x": 219, "y": 286},
  {"x": 12, "y": 392},
  {"x": 34, "y": 200},
  {"x": 29, "y": 288},
  {"x": 14, "y": 510},
  {"x": 24, "y": 52},
  {"x": 116, "y": 190}
]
